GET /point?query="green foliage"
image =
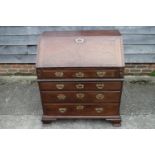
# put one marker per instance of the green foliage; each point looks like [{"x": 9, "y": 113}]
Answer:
[{"x": 152, "y": 73}]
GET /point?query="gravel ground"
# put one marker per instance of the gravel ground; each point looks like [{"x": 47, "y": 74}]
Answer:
[{"x": 20, "y": 105}]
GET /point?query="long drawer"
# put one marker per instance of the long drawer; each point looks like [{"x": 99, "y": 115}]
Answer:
[
  {"x": 78, "y": 73},
  {"x": 80, "y": 96},
  {"x": 70, "y": 86},
  {"x": 81, "y": 110}
]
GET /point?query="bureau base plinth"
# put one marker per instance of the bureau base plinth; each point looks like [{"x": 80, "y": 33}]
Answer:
[
  {"x": 47, "y": 120},
  {"x": 115, "y": 120}
]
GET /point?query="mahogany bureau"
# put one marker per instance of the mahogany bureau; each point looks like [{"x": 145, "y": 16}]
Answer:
[{"x": 80, "y": 75}]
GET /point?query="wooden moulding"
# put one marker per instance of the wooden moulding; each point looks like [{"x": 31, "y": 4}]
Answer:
[{"x": 115, "y": 120}]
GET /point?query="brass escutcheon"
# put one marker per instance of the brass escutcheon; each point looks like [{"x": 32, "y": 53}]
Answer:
[
  {"x": 62, "y": 110},
  {"x": 80, "y": 95},
  {"x": 59, "y": 86},
  {"x": 79, "y": 40},
  {"x": 59, "y": 74},
  {"x": 98, "y": 110},
  {"x": 100, "y": 73},
  {"x": 100, "y": 85},
  {"x": 100, "y": 96},
  {"x": 61, "y": 96},
  {"x": 79, "y": 86},
  {"x": 79, "y": 74},
  {"x": 79, "y": 107}
]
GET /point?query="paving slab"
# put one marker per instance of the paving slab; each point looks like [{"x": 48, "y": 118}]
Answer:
[
  {"x": 33, "y": 122},
  {"x": 20, "y": 105}
]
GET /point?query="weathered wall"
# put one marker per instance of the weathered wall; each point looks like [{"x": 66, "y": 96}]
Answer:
[
  {"x": 29, "y": 69},
  {"x": 18, "y": 44}
]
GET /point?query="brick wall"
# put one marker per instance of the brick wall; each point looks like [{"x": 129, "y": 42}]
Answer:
[
  {"x": 17, "y": 69},
  {"x": 29, "y": 69},
  {"x": 139, "y": 69}
]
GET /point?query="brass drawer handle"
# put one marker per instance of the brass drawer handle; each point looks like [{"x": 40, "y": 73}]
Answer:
[
  {"x": 62, "y": 110},
  {"x": 59, "y": 74},
  {"x": 100, "y": 85},
  {"x": 79, "y": 74},
  {"x": 80, "y": 86},
  {"x": 98, "y": 110},
  {"x": 59, "y": 86},
  {"x": 100, "y": 73},
  {"x": 79, "y": 107},
  {"x": 61, "y": 96},
  {"x": 100, "y": 96},
  {"x": 80, "y": 95}
]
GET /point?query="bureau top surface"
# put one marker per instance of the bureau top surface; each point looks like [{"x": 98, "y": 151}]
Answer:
[{"x": 80, "y": 49}]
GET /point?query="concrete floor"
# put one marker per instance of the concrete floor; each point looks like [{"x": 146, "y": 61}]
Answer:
[{"x": 20, "y": 105}]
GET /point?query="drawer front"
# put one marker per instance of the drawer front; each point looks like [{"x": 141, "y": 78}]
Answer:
[
  {"x": 80, "y": 96},
  {"x": 81, "y": 110},
  {"x": 80, "y": 86},
  {"x": 78, "y": 73}
]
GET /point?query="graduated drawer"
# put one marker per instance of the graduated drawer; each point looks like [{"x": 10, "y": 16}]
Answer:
[
  {"x": 110, "y": 85},
  {"x": 80, "y": 96},
  {"x": 81, "y": 110},
  {"x": 78, "y": 73}
]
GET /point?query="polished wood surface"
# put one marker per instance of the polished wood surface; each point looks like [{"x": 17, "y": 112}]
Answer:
[
  {"x": 80, "y": 96},
  {"x": 71, "y": 86},
  {"x": 80, "y": 75},
  {"x": 81, "y": 110},
  {"x": 80, "y": 49},
  {"x": 82, "y": 33},
  {"x": 48, "y": 73}
]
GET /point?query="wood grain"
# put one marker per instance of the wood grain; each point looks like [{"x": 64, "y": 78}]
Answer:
[
  {"x": 13, "y": 49},
  {"x": 32, "y": 49},
  {"x": 136, "y": 29},
  {"x": 140, "y": 58},
  {"x": 33, "y": 30},
  {"x": 33, "y": 40},
  {"x": 31, "y": 58},
  {"x": 139, "y": 49},
  {"x": 88, "y": 110},
  {"x": 15, "y": 41},
  {"x": 139, "y": 39},
  {"x": 19, "y": 40},
  {"x": 18, "y": 58},
  {"x": 80, "y": 85}
]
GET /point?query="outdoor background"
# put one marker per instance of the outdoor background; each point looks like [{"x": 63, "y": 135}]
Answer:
[
  {"x": 20, "y": 105},
  {"x": 18, "y": 44}
]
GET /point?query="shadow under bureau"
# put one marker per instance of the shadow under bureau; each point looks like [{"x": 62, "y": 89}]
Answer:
[{"x": 80, "y": 75}]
